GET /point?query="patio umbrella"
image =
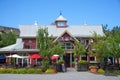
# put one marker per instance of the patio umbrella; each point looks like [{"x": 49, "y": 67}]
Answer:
[
  {"x": 2, "y": 57},
  {"x": 54, "y": 56},
  {"x": 34, "y": 56},
  {"x": 17, "y": 56},
  {"x": 14, "y": 56}
]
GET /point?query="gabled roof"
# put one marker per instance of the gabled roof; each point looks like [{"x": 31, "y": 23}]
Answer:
[
  {"x": 75, "y": 30},
  {"x": 28, "y": 30},
  {"x": 63, "y": 34}
]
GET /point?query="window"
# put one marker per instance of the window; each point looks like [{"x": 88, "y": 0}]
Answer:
[
  {"x": 67, "y": 46},
  {"x": 86, "y": 42},
  {"x": 92, "y": 58},
  {"x": 61, "y": 23},
  {"x": 26, "y": 47},
  {"x": 82, "y": 41},
  {"x": 83, "y": 57}
]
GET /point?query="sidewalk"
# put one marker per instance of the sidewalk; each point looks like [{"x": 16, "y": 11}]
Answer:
[{"x": 71, "y": 74}]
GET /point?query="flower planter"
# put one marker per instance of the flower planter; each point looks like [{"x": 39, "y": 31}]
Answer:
[
  {"x": 73, "y": 65},
  {"x": 93, "y": 70},
  {"x": 59, "y": 68},
  {"x": 82, "y": 67}
]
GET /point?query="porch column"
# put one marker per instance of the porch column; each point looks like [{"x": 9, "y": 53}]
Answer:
[
  {"x": 70, "y": 59},
  {"x": 17, "y": 61},
  {"x": 28, "y": 61},
  {"x": 61, "y": 57},
  {"x": 22, "y": 62}
]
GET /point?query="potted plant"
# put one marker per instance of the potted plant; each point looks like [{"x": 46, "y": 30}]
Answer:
[
  {"x": 60, "y": 61},
  {"x": 73, "y": 64},
  {"x": 82, "y": 62},
  {"x": 59, "y": 65},
  {"x": 93, "y": 68},
  {"x": 82, "y": 65}
]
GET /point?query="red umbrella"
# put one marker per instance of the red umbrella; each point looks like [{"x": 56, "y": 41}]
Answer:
[
  {"x": 34, "y": 56},
  {"x": 54, "y": 57}
]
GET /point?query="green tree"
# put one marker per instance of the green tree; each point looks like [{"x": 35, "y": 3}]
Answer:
[
  {"x": 108, "y": 45},
  {"x": 115, "y": 42},
  {"x": 46, "y": 46},
  {"x": 44, "y": 42},
  {"x": 79, "y": 49},
  {"x": 101, "y": 47},
  {"x": 57, "y": 49},
  {"x": 7, "y": 39}
]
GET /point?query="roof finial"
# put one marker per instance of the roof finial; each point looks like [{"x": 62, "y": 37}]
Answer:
[
  {"x": 85, "y": 23},
  {"x": 36, "y": 23},
  {"x": 60, "y": 12}
]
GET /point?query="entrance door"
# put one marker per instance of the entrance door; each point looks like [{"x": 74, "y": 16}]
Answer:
[{"x": 68, "y": 58}]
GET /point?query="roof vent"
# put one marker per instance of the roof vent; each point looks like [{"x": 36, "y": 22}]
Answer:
[{"x": 36, "y": 23}]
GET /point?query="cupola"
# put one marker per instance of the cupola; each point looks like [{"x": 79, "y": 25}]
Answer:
[{"x": 61, "y": 22}]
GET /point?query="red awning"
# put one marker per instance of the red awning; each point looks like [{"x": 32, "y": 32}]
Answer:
[{"x": 34, "y": 56}]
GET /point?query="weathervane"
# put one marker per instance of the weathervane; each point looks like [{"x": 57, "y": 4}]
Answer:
[{"x": 60, "y": 12}]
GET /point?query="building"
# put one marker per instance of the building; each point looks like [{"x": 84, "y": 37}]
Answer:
[{"x": 61, "y": 32}]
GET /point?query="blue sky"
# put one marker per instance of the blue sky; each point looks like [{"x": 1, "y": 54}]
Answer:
[{"x": 93, "y": 12}]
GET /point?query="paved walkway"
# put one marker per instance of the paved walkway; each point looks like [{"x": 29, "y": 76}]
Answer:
[{"x": 69, "y": 75}]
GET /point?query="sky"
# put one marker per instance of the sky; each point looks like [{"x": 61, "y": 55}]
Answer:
[{"x": 77, "y": 12}]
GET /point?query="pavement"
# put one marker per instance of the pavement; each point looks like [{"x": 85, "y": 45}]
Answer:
[{"x": 71, "y": 74}]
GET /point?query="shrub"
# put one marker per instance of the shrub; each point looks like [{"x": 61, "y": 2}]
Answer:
[
  {"x": 38, "y": 71},
  {"x": 101, "y": 71},
  {"x": 117, "y": 72},
  {"x": 21, "y": 71},
  {"x": 51, "y": 67},
  {"x": 9, "y": 70},
  {"x": 82, "y": 62},
  {"x": 30, "y": 71},
  {"x": 49, "y": 71},
  {"x": 73, "y": 63},
  {"x": 3, "y": 70},
  {"x": 60, "y": 61},
  {"x": 44, "y": 68},
  {"x": 14, "y": 71}
]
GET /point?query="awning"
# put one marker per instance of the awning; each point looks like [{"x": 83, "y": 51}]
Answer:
[
  {"x": 34, "y": 56},
  {"x": 15, "y": 47},
  {"x": 2, "y": 57}
]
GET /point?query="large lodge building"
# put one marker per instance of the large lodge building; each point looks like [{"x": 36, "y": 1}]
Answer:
[{"x": 26, "y": 44}]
